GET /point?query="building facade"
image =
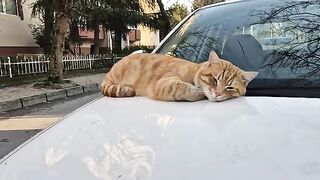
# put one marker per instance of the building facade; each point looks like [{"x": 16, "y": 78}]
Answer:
[
  {"x": 16, "y": 37},
  {"x": 15, "y": 34}
]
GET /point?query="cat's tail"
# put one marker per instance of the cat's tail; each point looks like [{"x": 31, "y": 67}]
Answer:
[{"x": 115, "y": 90}]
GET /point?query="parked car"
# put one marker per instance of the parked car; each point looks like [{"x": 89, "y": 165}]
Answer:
[{"x": 272, "y": 133}]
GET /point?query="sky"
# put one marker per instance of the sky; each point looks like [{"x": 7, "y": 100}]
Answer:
[{"x": 168, "y": 3}]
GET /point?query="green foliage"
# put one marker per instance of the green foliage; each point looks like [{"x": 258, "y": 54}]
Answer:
[
  {"x": 44, "y": 9},
  {"x": 116, "y": 15},
  {"x": 37, "y": 33},
  {"x": 176, "y": 13},
  {"x": 163, "y": 20},
  {"x": 74, "y": 36}
]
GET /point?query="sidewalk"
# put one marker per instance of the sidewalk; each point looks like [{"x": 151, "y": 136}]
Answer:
[{"x": 24, "y": 93}]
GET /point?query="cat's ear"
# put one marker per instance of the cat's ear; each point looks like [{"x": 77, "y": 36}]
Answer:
[
  {"x": 249, "y": 76},
  {"x": 214, "y": 58}
]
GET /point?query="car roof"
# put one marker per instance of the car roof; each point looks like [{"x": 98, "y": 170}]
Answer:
[{"x": 139, "y": 138}]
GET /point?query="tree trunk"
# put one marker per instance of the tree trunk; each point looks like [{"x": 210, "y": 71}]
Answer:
[
  {"x": 58, "y": 46},
  {"x": 48, "y": 26},
  {"x": 117, "y": 44},
  {"x": 164, "y": 17},
  {"x": 96, "y": 43}
]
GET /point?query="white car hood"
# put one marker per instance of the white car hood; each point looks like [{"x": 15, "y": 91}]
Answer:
[{"x": 247, "y": 138}]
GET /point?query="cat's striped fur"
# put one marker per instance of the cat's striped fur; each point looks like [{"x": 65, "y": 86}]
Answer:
[{"x": 172, "y": 79}]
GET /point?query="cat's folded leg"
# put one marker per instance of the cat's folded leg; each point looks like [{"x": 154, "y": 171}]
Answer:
[
  {"x": 116, "y": 90},
  {"x": 194, "y": 93},
  {"x": 173, "y": 89}
]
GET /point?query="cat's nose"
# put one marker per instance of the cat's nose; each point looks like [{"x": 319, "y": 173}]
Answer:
[{"x": 217, "y": 93}]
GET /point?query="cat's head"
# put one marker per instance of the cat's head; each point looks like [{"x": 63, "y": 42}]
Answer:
[{"x": 221, "y": 80}]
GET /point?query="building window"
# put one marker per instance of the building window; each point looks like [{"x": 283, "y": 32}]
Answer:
[
  {"x": 8, "y": 7},
  {"x": 134, "y": 35}
]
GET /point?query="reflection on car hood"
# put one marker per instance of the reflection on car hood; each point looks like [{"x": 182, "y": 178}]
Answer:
[{"x": 138, "y": 138}]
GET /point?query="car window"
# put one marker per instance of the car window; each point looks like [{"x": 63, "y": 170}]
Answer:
[{"x": 280, "y": 39}]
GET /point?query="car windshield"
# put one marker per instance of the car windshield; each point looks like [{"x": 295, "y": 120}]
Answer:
[{"x": 280, "y": 39}]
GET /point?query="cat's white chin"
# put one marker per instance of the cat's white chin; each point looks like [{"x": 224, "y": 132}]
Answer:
[
  {"x": 221, "y": 98},
  {"x": 216, "y": 98},
  {"x": 210, "y": 96},
  {"x": 213, "y": 100}
]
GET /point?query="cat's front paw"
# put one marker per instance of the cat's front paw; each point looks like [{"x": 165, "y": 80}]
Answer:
[
  {"x": 196, "y": 90},
  {"x": 196, "y": 93}
]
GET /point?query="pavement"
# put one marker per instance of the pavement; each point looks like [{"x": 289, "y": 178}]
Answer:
[
  {"x": 19, "y": 125},
  {"x": 25, "y": 110},
  {"x": 22, "y": 96}
]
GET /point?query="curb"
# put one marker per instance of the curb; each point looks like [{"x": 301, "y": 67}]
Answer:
[
  {"x": 46, "y": 97},
  {"x": 74, "y": 91},
  {"x": 56, "y": 95},
  {"x": 32, "y": 100}
]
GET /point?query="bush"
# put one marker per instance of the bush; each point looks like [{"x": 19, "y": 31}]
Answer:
[{"x": 128, "y": 50}]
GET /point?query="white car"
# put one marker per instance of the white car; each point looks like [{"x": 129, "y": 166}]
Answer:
[{"x": 273, "y": 133}]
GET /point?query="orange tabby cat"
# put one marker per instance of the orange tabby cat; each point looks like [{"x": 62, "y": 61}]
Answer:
[{"x": 172, "y": 79}]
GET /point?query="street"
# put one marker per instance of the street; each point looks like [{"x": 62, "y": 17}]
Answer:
[{"x": 19, "y": 125}]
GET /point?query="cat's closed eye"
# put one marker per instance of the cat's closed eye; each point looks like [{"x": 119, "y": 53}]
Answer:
[
  {"x": 214, "y": 80},
  {"x": 229, "y": 88}
]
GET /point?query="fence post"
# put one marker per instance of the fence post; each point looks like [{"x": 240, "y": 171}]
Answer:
[
  {"x": 18, "y": 64},
  {"x": 90, "y": 61},
  {"x": 10, "y": 71}
]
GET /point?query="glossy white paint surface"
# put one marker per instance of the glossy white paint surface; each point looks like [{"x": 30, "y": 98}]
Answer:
[{"x": 247, "y": 138}]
